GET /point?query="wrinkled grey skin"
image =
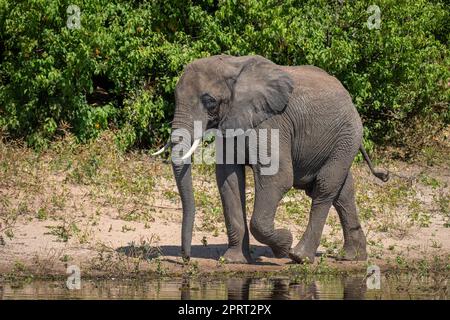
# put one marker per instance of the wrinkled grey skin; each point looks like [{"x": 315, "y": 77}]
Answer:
[{"x": 320, "y": 135}]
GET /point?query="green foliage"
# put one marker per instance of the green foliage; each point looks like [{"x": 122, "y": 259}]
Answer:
[{"x": 119, "y": 70}]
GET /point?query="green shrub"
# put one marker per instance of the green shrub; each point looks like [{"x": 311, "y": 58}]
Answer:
[{"x": 119, "y": 70}]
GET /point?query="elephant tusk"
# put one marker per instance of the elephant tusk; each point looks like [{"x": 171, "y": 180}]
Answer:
[
  {"x": 192, "y": 149},
  {"x": 166, "y": 146}
]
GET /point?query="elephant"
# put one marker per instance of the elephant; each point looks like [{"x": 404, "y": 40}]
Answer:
[{"x": 319, "y": 134}]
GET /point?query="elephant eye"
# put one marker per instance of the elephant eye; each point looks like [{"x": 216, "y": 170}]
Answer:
[{"x": 209, "y": 102}]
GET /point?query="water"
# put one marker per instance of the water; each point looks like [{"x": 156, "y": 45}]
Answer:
[{"x": 350, "y": 287}]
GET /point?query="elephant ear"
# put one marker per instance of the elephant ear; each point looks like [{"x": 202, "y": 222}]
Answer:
[{"x": 260, "y": 90}]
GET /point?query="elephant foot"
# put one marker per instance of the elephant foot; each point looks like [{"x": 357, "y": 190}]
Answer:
[
  {"x": 354, "y": 253},
  {"x": 354, "y": 247},
  {"x": 235, "y": 255},
  {"x": 281, "y": 249},
  {"x": 301, "y": 258},
  {"x": 300, "y": 254}
]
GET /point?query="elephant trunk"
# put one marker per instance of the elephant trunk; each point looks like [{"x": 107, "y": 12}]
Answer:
[{"x": 183, "y": 177}]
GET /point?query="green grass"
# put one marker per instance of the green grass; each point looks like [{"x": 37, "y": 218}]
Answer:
[{"x": 64, "y": 231}]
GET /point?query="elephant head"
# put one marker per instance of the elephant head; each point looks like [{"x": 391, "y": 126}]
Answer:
[{"x": 222, "y": 92}]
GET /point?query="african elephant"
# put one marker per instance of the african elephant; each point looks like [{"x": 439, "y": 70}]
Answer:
[{"x": 320, "y": 133}]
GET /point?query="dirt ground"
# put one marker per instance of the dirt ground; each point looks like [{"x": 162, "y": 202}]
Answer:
[{"x": 113, "y": 214}]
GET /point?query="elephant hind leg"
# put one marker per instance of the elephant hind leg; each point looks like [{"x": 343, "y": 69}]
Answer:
[
  {"x": 325, "y": 190},
  {"x": 305, "y": 250},
  {"x": 354, "y": 238}
]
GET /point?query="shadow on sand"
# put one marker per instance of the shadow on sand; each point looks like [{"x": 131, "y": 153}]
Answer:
[{"x": 211, "y": 251}]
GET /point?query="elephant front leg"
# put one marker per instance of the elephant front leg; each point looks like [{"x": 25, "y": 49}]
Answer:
[
  {"x": 267, "y": 196},
  {"x": 231, "y": 183}
]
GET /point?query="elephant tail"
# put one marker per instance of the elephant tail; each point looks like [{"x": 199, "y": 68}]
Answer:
[{"x": 380, "y": 174}]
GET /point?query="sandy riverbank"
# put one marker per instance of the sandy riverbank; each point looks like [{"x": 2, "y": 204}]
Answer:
[{"x": 117, "y": 214}]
